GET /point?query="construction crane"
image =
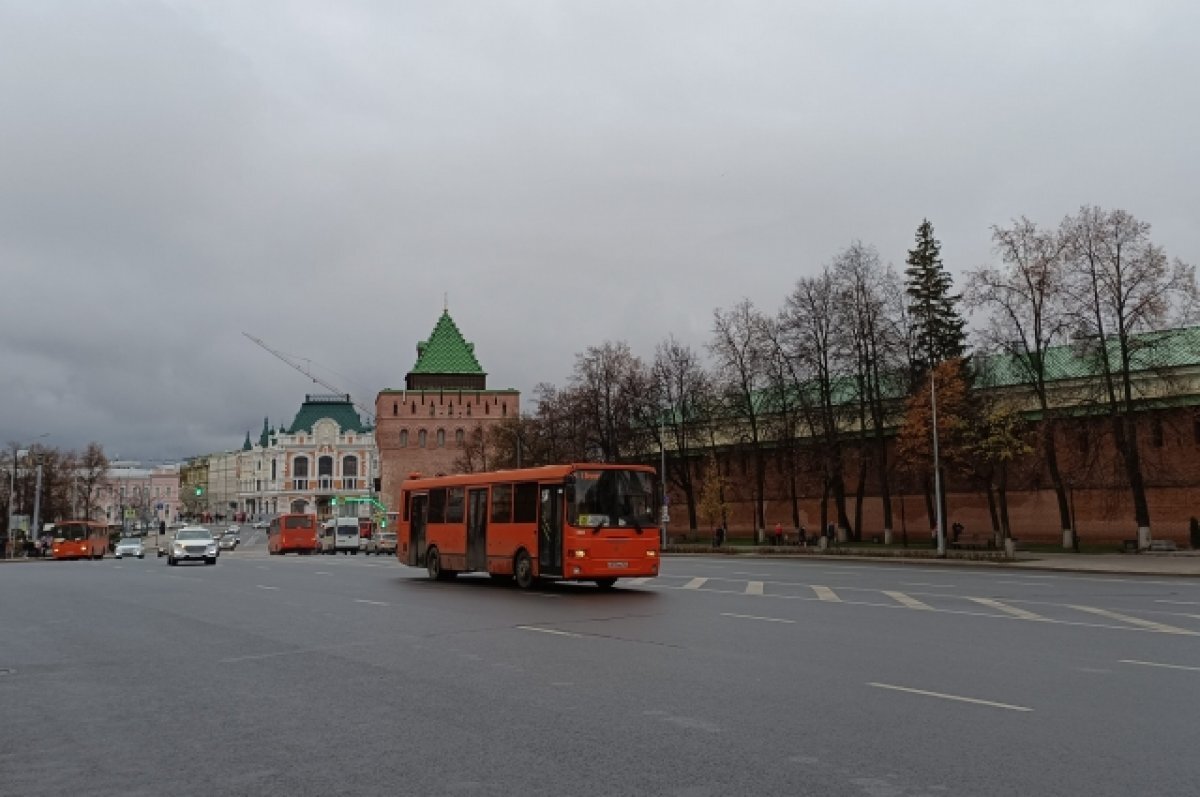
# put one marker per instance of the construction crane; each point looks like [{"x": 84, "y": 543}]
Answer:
[{"x": 368, "y": 413}]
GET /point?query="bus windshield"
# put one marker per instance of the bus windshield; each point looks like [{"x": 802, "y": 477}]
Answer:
[
  {"x": 618, "y": 498},
  {"x": 71, "y": 531},
  {"x": 302, "y": 522}
]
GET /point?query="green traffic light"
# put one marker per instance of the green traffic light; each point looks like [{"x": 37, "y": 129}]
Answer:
[{"x": 333, "y": 501}]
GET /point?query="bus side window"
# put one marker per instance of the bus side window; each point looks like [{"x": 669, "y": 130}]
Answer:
[
  {"x": 437, "y": 505},
  {"x": 525, "y": 502}
]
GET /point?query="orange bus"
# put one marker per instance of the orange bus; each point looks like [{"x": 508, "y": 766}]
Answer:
[
  {"x": 292, "y": 532},
  {"x": 79, "y": 539},
  {"x": 581, "y": 522}
]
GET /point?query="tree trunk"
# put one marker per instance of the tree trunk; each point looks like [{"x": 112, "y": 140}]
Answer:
[
  {"x": 1125, "y": 432},
  {"x": 859, "y": 492},
  {"x": 1002, "y": 489},
  {"x": 993, "y": 513},
  {"x": 1050, "y": 452}
]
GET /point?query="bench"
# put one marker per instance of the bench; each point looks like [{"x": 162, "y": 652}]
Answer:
[
  {"x": 972, "y": 542},
  {"x": 1162, "y": 545}
]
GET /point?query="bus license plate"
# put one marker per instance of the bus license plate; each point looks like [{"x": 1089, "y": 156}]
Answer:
[{"x": 617, "y": 565}]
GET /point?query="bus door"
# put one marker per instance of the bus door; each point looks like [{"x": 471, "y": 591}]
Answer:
[
  {"x": 477, "y": 530},
  {"x": 550, "y": 530},
  {"x": 416, "y": 542}
]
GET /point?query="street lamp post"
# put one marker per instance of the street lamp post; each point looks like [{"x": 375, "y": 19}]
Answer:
[{"x": 937, "y": 468}]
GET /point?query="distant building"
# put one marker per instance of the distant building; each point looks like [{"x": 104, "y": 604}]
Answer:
[
  {"x": 425, "y": 426},
  {"x": 328, "y": 451},
  {"x": 132, "y": 496}
]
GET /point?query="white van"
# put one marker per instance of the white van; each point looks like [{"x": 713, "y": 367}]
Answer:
[{"x": 340, "y": 535}]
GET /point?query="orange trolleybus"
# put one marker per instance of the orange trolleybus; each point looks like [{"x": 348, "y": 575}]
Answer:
[
  {"x": 292, "y": 532},
  {"x": 583, "y": 522},
  {"x": 79, "y": 539}
]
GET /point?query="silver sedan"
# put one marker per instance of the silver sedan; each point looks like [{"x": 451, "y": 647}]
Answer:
[{"x": 130, "y": 546}]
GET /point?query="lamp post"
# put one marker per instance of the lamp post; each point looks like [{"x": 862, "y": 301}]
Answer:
[
  {"x": 937, "y": 468},
  {"x": 662, "y": 449}
]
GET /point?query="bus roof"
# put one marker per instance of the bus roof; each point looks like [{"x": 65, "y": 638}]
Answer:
[{"x": 543, "y": 473}]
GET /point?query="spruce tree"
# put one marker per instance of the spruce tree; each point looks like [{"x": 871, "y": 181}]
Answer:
[{"x": 932, "y": 308}]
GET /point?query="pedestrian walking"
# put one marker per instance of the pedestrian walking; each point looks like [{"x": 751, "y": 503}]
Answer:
[{"x": 778, "y": 533}]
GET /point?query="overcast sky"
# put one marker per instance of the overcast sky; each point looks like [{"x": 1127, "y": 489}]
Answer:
[{"x": 321, "y": 174}]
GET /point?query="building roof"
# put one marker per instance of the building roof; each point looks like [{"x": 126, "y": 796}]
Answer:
[
  {"x": 337, "y": 408},
  {"x": 1170, "y": 348},
  {"x": 446, "y": 351}
]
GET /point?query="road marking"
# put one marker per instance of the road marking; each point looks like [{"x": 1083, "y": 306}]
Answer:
[
  {"x": 923, "y": 584},
  {"x": 636, "y": 582},
  {"x": 907, "y": 600},
  {"x": 264, "y": 586},
  {"x": 1166, "y": 629},
  {"x": 1004, "y": 607},
  {"x": 373, "y": 603},
  {"x": 756, "y": 617},
  {"x": 754, "y": 588},
  {"x": 1155, "y": 664},
  {"x": 547, "y": 630},
  {"x": 695, "y": 583},
  {"x": 1022, "y": 583},
  {"x": 321, "y": 573},
  {"x": 1181, "y": 603},
  {"x": 943, "y": 696},
  {"x": 826, "y": 594}
]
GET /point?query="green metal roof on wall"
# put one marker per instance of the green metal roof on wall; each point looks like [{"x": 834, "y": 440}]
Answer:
[
  {"x": 446, "y": 351},
  {"x": 339, "y": 409}
]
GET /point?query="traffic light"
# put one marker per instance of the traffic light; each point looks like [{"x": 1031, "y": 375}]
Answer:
[
  {"x": 333, "y": 501},
  {"x": 383, "y": 523},
  {"x": 199, "y": 491}
]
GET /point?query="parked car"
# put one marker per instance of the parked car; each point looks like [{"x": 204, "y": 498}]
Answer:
[
  {"x": 129, "y": 546},
  {"x": 262, "y": 524},
  {"x": 382, "y": 542},
  {"x": 192, "y": 543},
  {"x": 229, "y": 541}
]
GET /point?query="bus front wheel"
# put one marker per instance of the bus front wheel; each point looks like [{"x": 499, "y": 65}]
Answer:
[{"x": 523, "y": 571}]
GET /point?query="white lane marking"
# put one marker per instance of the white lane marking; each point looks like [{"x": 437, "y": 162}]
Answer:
[
  {"x": 264, "y": 586},
  {"x": 1181, "y": 603},
  {"x": 695, "y": 583},
  {"x": 321, "y": 573},
  {"x": 299, "y": 652},
  {"x": 1004, "y": 607},
  {"x": 756, "y": 617},
  {"x": 547, "y": 630},
  {"x": 373, "y": 603},
  {"x": 826, "y": 594},
  {"x": 636, "y": 582},
  {"x": 1156, "y": 664},
  {"x": 754, "y": 588},
  {"x": 1166, "y": 629},
  {"x": 924, "y": 584},
  {"x": 1021, "y": 583},
  {"x": 907, "y": 600},
  {"x": 944, "y": 696}
]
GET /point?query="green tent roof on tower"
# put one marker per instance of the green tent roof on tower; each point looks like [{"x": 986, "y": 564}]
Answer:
[{"x": 446, "y": 351}]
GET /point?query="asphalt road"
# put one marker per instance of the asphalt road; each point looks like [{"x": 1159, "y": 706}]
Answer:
[{"x": 355, "y": 675}]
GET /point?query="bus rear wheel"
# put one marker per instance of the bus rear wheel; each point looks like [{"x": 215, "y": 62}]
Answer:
[
  {"x": 523, "y": 571},
  {"x": 433, "y": 563}
]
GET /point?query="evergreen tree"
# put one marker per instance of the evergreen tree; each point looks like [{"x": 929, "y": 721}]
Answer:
[{"x": 932, "y": 308}]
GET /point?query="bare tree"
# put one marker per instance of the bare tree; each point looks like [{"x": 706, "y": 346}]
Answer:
[
  {"x": 608, "y": 383},
  {"x": 1122, "y": 286},
  {"x": 738, "y": 349},
  {"x": 874, "y": 342},
  {"x": 1026, "y": 299},
  {"x": 681, "y": 384},
  {"x": 810, "y": 327},
  {"x": 90, "y": 472}
]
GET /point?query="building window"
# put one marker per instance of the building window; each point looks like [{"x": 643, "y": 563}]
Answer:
[
  {"x": 468, "y": 410},
  {"x": 350, "y": 473},
  {"x": 274, "y": 466},
  {"x": 421, "y": 438},
  {"x": 404, "y": 438},
  {"x": 395, "y": 408},
  {"x": 441, "y": 438},
  {"x": 487, "y": 408},
  {"x": 458, "y": 438},
  {"x": 325, "y": 472},
  {"x": 504, "y": 409},
  {"x": 414, "y": 408}
]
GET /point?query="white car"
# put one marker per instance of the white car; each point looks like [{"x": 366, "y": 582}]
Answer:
[
  {"x": 129, "y": 546},
  {"x": 191, "y": 544}
]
